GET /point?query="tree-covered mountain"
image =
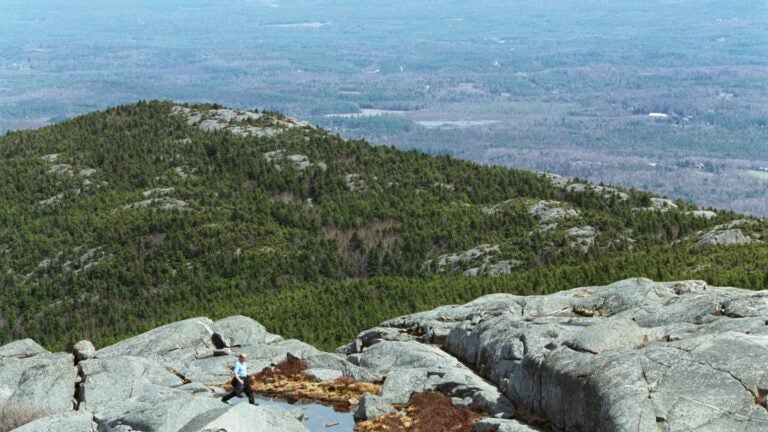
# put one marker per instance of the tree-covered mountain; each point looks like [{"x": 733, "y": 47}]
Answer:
[{"x": 120, "y": 220}]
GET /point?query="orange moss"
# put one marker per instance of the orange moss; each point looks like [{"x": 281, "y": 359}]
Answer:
[{"x": 425, "y": 412}]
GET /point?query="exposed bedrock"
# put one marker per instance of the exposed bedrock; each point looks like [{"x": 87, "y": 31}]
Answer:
[{"x": 635, "y": 355}]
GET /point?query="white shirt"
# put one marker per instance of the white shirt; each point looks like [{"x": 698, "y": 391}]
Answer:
[{"x": 241, "y": 369}]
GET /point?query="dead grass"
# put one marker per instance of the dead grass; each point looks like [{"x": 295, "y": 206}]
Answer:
[
  {"x": 434, "y": 412},
  {"x": 389, "y": 423},
  {"x": 760, "y": 396},
  {"x": 15, "y": 414},
  {"x": 286, "y": 380},
  {"x": 344, "y": 381},
  {"x": 425, "y": 412}
]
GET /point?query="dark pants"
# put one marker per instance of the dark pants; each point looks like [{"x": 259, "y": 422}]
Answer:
[{"x": 238, "y": 389}]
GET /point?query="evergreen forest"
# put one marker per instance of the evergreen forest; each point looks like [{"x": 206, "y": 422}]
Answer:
[{"x": 118, "y": 221}]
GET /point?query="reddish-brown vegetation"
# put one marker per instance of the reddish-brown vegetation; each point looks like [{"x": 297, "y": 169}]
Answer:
[
  {"x": 287, "y": 380},
  {"x": 291, "y": 367},
  {"x": 425, "y": 412},
  {"x": 434, "y": 412}
]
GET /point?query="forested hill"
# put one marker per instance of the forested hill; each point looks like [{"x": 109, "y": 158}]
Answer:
[{"x": 120, "y": 220}]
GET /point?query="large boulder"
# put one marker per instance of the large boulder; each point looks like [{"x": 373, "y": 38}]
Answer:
[
  {"x": 192, "y": 336},
  {"x": 244, "y": 331},
  {"x": 44, "y": 380},
  {"x": 84, "y": 350}
]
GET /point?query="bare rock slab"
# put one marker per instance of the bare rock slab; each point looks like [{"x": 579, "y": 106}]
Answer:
[
  {"x": 635, "y": 355},
  {"x": 245, "y": 418},
  {"x": 243, "y": 331},
  {"x": 154, "y": 409},
  {"x": 22, "y": 349},
  {"x": 44, "y": 380},
  {"x": 192, "y": 334},
  {"x": 72, "y": 421},
  {"x": 108, "y": 381}
]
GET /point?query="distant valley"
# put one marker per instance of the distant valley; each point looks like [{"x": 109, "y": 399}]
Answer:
[{"x": 557, "y": 87}]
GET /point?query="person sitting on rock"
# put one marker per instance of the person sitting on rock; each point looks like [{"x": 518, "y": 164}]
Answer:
[{"x": 240, "y": 381}]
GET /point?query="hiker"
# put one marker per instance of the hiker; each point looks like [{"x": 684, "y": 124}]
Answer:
[{"x": 240, "y": 382}]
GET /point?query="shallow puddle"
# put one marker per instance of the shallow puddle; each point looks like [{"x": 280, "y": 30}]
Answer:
[{"x": 317, "y": 417}]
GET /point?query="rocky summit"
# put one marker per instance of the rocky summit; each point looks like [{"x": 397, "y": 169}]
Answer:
[{"x": 636, "y": 355}]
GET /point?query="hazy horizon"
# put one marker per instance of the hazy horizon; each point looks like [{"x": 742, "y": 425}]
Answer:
[{"x": 548, "y": 86}]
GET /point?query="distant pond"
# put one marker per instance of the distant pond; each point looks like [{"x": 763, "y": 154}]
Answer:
[{"x": 431, "y": 124}]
